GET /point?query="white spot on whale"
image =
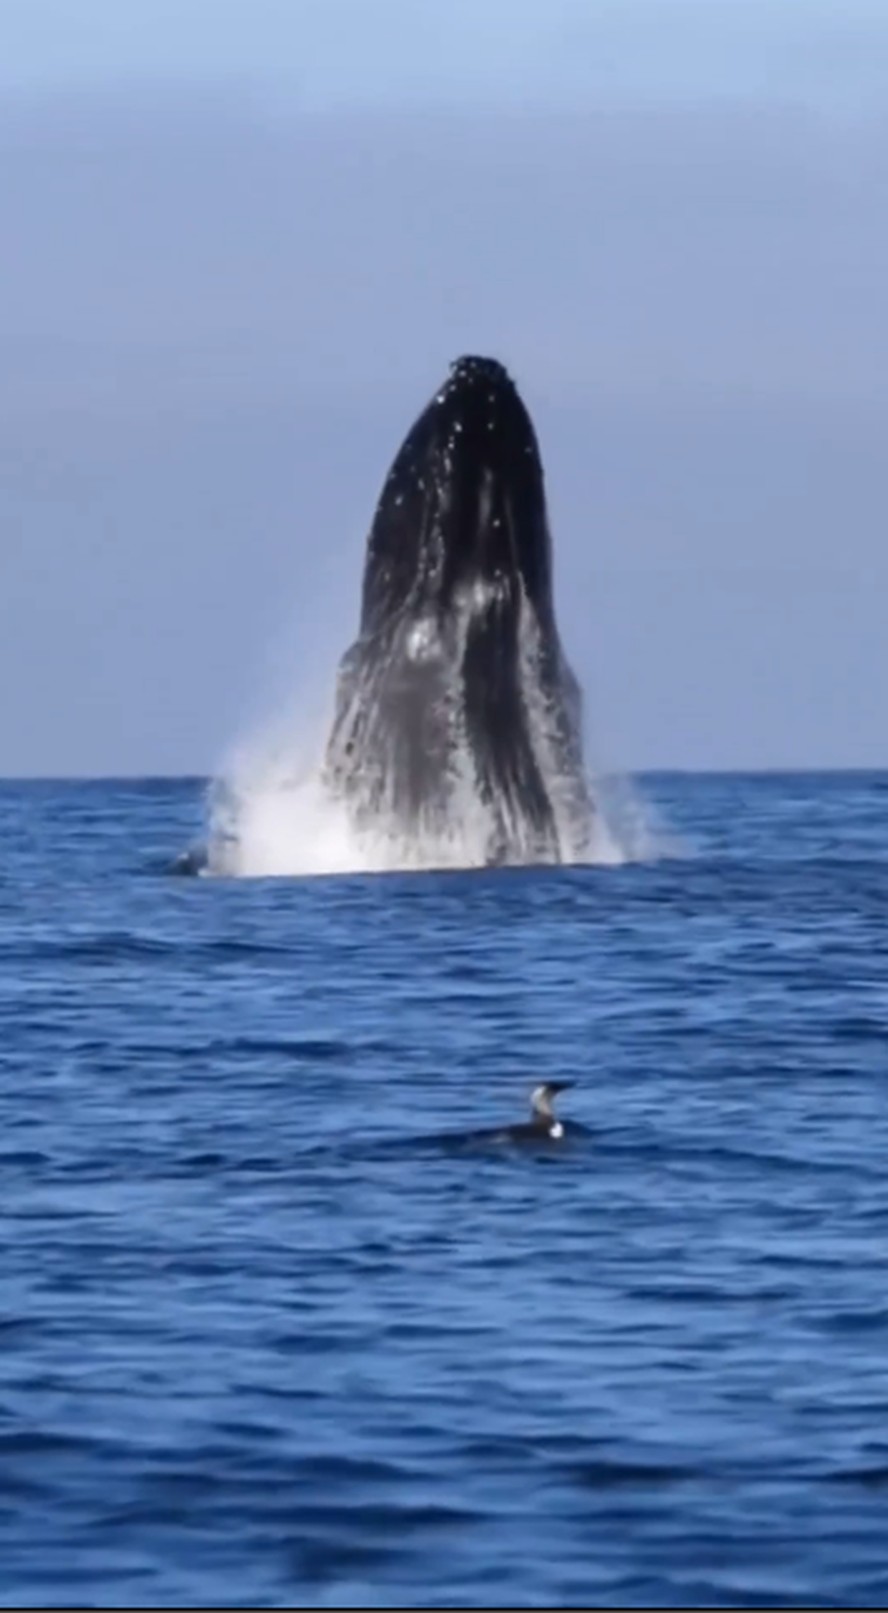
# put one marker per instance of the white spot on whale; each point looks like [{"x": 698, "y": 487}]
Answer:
[
  {"x": 484, "y": 591},
  {"x": 421, "y": 640}
]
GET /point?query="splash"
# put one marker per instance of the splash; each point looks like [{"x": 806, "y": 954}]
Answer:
[
  {"x": 273, "y": 813},
  {"x": 455, "y": 736},
  {"x": 270, "y": 823}
]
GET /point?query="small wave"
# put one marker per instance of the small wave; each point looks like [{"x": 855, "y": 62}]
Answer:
[{"x": 116, "y": 948}]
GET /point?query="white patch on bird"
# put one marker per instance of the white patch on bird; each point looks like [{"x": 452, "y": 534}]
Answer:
[{"x": 556, "y": 1129}]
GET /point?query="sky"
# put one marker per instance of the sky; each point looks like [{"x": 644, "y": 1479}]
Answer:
[{"x": 242, "y": 240}]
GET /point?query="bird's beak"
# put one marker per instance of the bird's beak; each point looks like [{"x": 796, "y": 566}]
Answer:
[{"x": 560, "y": 1086}]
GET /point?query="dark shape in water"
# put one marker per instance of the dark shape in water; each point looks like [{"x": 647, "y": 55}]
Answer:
[
  {"x": 457, "y": 693},
  {"x": 191, "y": 862},
  {"x": 543, "y": 1127}
]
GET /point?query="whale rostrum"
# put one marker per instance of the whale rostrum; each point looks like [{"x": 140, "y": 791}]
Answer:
[{"x": 456, "y": 700}]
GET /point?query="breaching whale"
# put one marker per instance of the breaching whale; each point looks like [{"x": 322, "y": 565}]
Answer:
[{"x": 456, "y": 708}]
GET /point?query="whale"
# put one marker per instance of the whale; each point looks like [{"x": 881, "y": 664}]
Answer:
[{"x": 456, "y": 709}]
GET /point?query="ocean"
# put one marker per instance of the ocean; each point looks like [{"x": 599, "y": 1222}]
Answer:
[{"x": 269, "y": 1340}]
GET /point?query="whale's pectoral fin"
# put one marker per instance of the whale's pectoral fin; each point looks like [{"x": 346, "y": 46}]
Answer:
[
  {"x": 392, "y": 734},
  {"x": 508, "y": 771}
]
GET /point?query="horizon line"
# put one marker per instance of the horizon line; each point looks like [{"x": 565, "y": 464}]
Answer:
[{"x": 663, "y": 771}]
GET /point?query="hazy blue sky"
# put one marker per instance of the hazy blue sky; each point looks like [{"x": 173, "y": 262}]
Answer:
[{"x": 241, "y": 242}]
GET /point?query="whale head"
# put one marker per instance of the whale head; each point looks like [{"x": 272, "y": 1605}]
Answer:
[
  {"x": 456, "y": 693},
  {"x": 461, "y": 518}
]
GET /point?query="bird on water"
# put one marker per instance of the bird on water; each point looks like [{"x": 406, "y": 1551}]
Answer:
[
  {"x": 543, "y": 1122},
  {"x": 544, "y": 1125}
]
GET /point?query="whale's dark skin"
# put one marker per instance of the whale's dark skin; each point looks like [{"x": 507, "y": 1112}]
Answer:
[{"x": 458, "y": 667}]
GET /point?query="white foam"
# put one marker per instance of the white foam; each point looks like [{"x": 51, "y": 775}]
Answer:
[
  {"x": 262, "y": 827},
  {"x": 271, "y": 814}
]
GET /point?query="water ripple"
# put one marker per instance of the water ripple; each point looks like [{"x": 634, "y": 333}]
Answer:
[{"x": 273, "y": 1336}]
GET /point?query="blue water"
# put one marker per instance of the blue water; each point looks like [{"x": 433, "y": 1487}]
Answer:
[{"x": 263, "y": 1343}]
